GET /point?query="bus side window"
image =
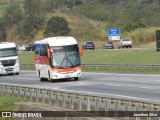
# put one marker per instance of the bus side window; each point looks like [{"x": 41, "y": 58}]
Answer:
[
  {"x": 37, "y": 49},
  {"x": 43, "y": 50}
]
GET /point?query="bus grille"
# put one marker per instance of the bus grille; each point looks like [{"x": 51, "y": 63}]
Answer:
[{"x": 6, "y": 63}]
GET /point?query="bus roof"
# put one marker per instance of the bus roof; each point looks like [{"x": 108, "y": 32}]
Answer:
[
  {"x": 58, "y": 41},
  {"x": 7, "y": 45}
]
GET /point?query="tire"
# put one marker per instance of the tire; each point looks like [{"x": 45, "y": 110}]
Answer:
[
  {"x": 17, "y": 73},
  {"x": 52, "y": 81},
  {"x": 39, "y": 74},
  {"x": 76, "y": 79},
  {"x": 42, "y": 79},
  {"x": 49, "y": 77}
]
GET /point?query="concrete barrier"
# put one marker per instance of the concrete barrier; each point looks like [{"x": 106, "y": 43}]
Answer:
[{"x": 85, "y": 102}]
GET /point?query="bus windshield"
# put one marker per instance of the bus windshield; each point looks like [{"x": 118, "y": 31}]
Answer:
[
  {"x": 7, "y": 52},
  {"x": 65, "y": 56}
]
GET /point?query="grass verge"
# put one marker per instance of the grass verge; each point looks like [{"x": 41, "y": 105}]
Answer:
[
  {"x": 129, "y": 56},
  {"x": 7, "y": 103}
]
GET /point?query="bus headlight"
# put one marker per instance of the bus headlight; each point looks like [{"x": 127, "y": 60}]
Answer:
[
  {"x": 55, "y": 71},
  {"x": 76, "y": 70}
]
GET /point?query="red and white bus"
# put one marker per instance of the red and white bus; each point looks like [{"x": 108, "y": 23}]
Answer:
[{"x": 57, "y": 58}]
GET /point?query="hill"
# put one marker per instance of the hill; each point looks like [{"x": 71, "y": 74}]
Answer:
[{"x": 138, "y": 20}]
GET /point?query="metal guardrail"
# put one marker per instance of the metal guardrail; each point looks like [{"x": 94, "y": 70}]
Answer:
[
  {"x": 124, "y": 66},
  {"x": 84, "y": 101}
]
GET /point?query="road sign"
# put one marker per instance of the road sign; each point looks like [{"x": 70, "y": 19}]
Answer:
[{"x": 114, "y": 34}]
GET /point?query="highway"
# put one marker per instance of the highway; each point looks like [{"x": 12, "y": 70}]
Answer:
[{"x": 133, "y": 86}]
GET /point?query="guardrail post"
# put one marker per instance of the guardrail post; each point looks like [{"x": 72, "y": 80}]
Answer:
[
  {"x": 106, "y": 106},
  {"x": 97, "y": 104},
  {"x": 49, "y": 97},
  {"x": 80, "y": 103},
  {"x": 72, "y": 103},
  {"x": 64, "y": 100},
  {"x": 88, "y": 104},
  {"x": 137, "y": 109},
  {"x": 43, "y": 96},
  {"x": 36, "y": 98},
  {"x": 19, "y": 94},
  {"x": 116, "y": 107},
  {"x": 0, "y": 89},
  {"x": 30, "y": 90},
  {"x": 14, "y": 89},
  {"x": 126, "y": 111},
  {"x": 3, "y": 89},
  {"x": 25, "y": 94},
  {"x": 56, "y": 98},
  {"x": 7, "y": 91}
]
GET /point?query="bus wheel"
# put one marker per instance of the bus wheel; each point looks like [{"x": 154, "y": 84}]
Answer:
[
  {"x": 76, "y": 78},
  {"x": 17, "y": 73},
  {"x": 42, "y": 79},
  {"x": 49, "y": 77},
  {"x": 52, "y": 81}
]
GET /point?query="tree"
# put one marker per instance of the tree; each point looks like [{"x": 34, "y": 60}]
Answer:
[
  {"x": 31, "y": 6},
  {"x": 2, "y": 31},
  {"x": 30, "y": 25},
  {"x": 13, "y": 15},
  {"x": 57, "y": 26}
]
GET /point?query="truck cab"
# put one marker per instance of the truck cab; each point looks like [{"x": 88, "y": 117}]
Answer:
[{"x": 9, "y": 61}]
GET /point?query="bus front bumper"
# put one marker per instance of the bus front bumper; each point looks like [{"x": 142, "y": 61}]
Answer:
[{"x": 72, "y": 74}]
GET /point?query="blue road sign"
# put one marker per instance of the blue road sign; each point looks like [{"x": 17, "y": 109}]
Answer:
[{"x": 113, "y": 32}]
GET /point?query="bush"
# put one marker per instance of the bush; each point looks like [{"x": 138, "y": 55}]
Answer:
[
  {"x": 57, "y": 26},
  {"x": 2, "y": 31},
  {"x": 131, "y": 27},
  {"x": 30, "y": 25}
]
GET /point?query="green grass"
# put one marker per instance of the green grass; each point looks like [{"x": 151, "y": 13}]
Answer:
[
  {"x": 121, "y": 56},
  {"x": 26, "y": 57},
  {"x": 7, "y": 102},
  {"x": 108, "y": 57},
  {"x": 3, "y": 7}
]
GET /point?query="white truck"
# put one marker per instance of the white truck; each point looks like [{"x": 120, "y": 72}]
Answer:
[
  {"x": 9, "y": 62},
  {"x": 125, "y": 42}
]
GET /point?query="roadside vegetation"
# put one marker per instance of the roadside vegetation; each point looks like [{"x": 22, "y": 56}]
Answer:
[
  {"x": 25, "y": 22},
  {"x": 7, "y": 103},
  {"x": 126, "y": 56}
]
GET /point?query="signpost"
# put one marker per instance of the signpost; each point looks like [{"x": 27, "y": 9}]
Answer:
[{"x": 114, "y": 34}]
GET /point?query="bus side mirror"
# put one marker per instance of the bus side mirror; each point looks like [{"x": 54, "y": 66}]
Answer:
[
  {"x": 80, "y": 51},
  {"x": 49, "y": 53}
]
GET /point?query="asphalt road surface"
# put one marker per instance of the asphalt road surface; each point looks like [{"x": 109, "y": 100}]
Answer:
[{"x": 141, "y": 86}]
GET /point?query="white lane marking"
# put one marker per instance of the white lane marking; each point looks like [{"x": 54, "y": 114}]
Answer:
[
  {"x": 22, "y": 77},
  {"x": 148, "y": 88},
  {"x": 157, "y": 80},
  {"x": 132, "y": 86}
]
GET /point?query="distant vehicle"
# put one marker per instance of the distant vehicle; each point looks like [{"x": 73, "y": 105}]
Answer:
[
  {"x": 88, "y": 45},
  {"x": 108, "y": 45},
  {"x": 57, "y": 58},
  {"x": 22, "y": 47},
  {"x": 9, "y": 62},
  {"x": 127, "y": 43},
  {"x": 30, "y": 47}
]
